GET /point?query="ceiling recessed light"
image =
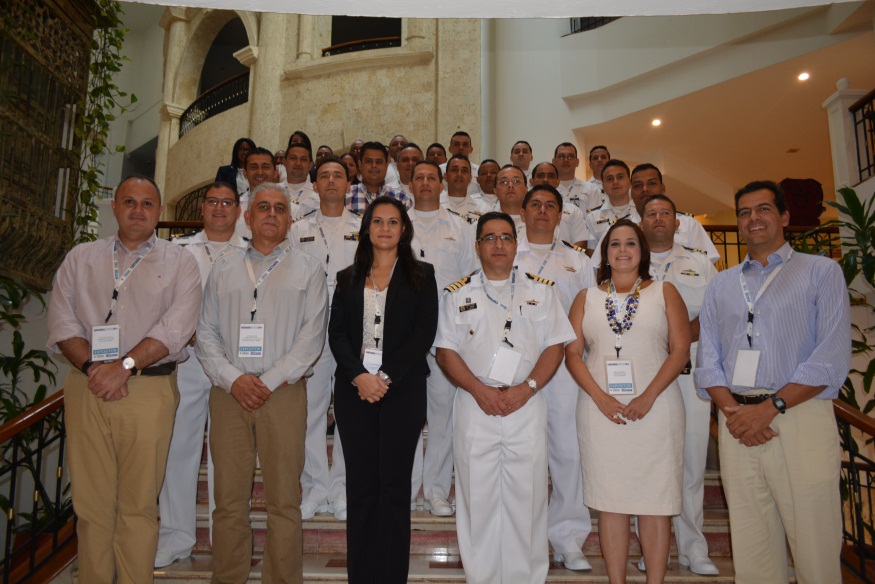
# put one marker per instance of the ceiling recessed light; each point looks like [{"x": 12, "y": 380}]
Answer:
[
  {"x": 803, "y": 77},
  {"x": 656, "y": 122}
]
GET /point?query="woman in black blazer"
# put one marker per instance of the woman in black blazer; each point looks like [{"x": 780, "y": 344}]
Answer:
[
  {"x": 380, "y": 398},
  {"x": 233, "y": 173}
]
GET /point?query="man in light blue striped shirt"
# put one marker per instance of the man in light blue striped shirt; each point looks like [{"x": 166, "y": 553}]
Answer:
[{"x": 774, "y": 349}]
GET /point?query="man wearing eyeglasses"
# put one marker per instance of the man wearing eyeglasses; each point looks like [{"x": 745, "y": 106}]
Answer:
[
  {"x": 510, "y": 188},
  {"x": 261, "y": 328},
  {"x": 500, "y": 339},
  {"x": 575, "y": 191},
  {"x": 178, "y": 500}
]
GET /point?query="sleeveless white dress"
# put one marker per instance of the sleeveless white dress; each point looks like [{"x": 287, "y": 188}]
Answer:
[{"x": 638, "y": 468}]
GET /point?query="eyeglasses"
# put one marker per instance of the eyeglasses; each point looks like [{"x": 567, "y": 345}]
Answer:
[
  {"x": 506, "y": 181},
  {"x": 214, "y": 202},
  {"x": 492, "y": 238}
]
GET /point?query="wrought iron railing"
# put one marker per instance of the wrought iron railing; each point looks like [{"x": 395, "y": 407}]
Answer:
[
  {"x": 590, "y": 23},
  {"x": 34, "y": 491},
  {"x": 863, "y": 112},
  {"x": 857, "y": 485},
  {"x": 221, "y": 98},
  {"x": 362, "y": 45},
  {"x": 733, "y": 249}
]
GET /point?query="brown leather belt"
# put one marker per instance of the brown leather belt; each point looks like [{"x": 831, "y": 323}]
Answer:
[{"x": 751, "y": 400}]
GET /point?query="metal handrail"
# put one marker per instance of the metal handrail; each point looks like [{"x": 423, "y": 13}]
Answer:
[{"x": 215, "y": 100}]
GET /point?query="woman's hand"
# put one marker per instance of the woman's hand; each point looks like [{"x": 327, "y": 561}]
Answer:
[
  {"x": 371, "y": 387},
  {"x": 611, "y": 408},
  {"x": 639, "y": 407}
]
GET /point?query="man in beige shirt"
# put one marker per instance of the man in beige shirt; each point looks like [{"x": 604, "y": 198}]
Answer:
[{"x": 122, "y": 310}]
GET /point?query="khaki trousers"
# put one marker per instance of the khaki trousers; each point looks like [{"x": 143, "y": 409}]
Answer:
[
  {"x": 786, "y": 490},
  {"x": 276, "y": 433},
  {"x": 118, "y": 452}
]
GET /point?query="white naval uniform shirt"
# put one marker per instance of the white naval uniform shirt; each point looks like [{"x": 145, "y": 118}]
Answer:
[
  {"x": 469, "y": 207},
  {"x": 392, "y": 179},
  {"x": 331, "y": 240},
  {"x": 304, "y": 195},
  {"x": 583, "y": 195},
  {"x": 473, "y": 186},
  {"x": 599, "y": 220},
  {"x": 472, "y": 325},
  {"x": 207, "y": 252},
  {"x": 563, "y": 263},
  {"x": 446, "y": 241}
]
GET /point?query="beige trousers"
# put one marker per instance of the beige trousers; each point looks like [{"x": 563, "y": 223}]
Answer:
[
  {"x": 118, "y": 451},
  {"x": 276, "y": 433},
  {"x": 786, "y": 490}
]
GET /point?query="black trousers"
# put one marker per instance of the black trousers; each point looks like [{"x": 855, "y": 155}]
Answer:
[{"x": 379, "y": 442}]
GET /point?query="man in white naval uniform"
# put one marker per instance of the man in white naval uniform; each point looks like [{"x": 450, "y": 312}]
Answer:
[
  {"x": 541, "y": 252},
  {"x": 177, "y": 503},
  {"x": 486, "y": 174},
  {"x": 521, "y": 156},
  {"x": 393, "y": 177},
  {"x": 258, "y": 169},
  {"x": 618, "y": 206},
  {"x": 598, "y": 158},
  {"x": 458, "y": 200},
  {"x": 500, "y": 338},
  {"x": 690, "y": 272},
  {"x": 297, "y": 164},
  {"x": 445, "y": 240},
  {"x": 460, "y": 143},
  {"x": 329, "y": 234},
  {"x": 406, "y": 157},
  {"x": 579, "y": 193},
  {"x": 572, "y": 227}
]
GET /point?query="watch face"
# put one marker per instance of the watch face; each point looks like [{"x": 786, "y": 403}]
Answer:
[{"x": 128, "y": 363}]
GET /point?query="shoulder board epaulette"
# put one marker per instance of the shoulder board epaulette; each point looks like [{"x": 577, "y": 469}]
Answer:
[
  {"x": 540, "y": 279},
  {"x": 458, "y": 284},
  {"x": 304, "y": 216},
  {"x": 181, "y": 236},
  {"x": 464, "y": 218},
  {"x": 359, "y": 215},
  {"x": 596, "y": 208},
  {"x": 687, "y": 214},
  {"x": 696, "y": 250},
  {"x": 574, "y": 247}
]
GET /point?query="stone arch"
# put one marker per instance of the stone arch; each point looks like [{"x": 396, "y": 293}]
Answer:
[{"x": 202, "y": 31}]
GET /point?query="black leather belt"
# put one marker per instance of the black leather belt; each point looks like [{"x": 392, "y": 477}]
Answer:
[
  {"x": 751, "y": 400},
  {"x": 157, "y": 370}
]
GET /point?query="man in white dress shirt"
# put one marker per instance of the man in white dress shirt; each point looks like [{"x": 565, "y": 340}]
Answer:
[
  {"x": 458, "y": 200},
  {"x": 330, "y": 235},
  {"x": 572, "y": 227},
  {"x": 615, "y": 176},
  {"x": 393, "y": 178},
  {"x": 521, "y": 156},
  {"x": 579, "y": 193},
  {"x": 460, "y": 143},
  {"x": 406, "y": 158},
  {"x": 598, "y": 158},
  {"x": 298, "y": 164}
]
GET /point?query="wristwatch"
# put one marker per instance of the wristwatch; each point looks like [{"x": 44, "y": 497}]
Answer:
[
  {"x": 86, "y": 366},
  {"x": 384, "y": 377},
  {"x": 779, "y": 403},
  {"x": 128, "y": 363},
  {"x": 532, "y": 384}
]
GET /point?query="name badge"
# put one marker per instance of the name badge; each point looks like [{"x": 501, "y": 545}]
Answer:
[
  {"x": 373, "y": 360},
  {"x": 504, "y": 365},
  {"x": 746, "y": 363},
  {"x": 251, "y": 341},
  {"x": 621, "y": 380},
  {"x": 105, "y": 342},
  {"x": 307, "y": 239}
]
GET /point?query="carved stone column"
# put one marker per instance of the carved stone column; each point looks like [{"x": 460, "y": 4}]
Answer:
[{"x": 265, "y": 97}]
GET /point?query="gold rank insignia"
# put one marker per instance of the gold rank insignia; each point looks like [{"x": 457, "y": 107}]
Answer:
[
  {"x": 574, "y": 247},
  {"x": 306, "y": 239},
  {"x": 532, "y": 302},
  {"x": 696, "y": 250},
  {"x": 690, "y": 273},
  {"x": 458, "y": 284},
  {"x": 540, "y": 279},
  {"x": 351, "y": 237},
  {"x": 467, "y": 307},
  {"x": 451, "y": 238},
  {"x": 570, "y": 269}
]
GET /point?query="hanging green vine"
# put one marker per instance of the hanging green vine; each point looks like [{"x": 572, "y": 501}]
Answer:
[{"x": 103, "y": 103}]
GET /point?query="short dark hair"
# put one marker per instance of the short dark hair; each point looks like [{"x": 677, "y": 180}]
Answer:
[
  {"x": 565, "y": 145},
  {"x": 325, "y": 146},
  {"x": 515, "y": 167},
  {"x": 604, "y": 271},
  {"x": 407, "y": 145},
  {"x": 460, "y": 133},
  {"x": 335, "y": 160},
  {"x": 259, "y": 151},
  {"x": 615, "y": 162},
  {"x": 647, "y": 166},
  {"x": 378, "y": 146},
  {"x": 220, "y": 184},
  {"x": 457, "y": 157},
  {"x": 487, "y": 161},
  {"x": 599, "y": 147},
  {"x": 436, "y": 145},
  {"x": 300, "y": 145},
  {"x": 547, "y": 188},
  {"x": 149, "y": 180},
  {"x": 429, "y": 163},
  {"x": 659, "y": 198},
  {"x": 535, "y": 169},
  {"x": 485, "y": 217},
  {"x": 521, "y": 142},
  {"x": 759, "y": 185}
]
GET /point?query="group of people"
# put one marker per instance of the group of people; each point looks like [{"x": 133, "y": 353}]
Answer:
[{"x": 464, "y": 299}]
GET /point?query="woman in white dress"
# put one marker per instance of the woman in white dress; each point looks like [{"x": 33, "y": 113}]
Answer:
[{"x": 630, "y": 414}]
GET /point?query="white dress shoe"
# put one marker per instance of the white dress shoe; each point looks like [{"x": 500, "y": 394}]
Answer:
[
  {"x": 166, "y": 557},
  {"x": 340, "y": 510},
  {"x": 701, "y": 565},
  {"x": 440, "y": 507},
  {"x": 574, "y": 561},
  {"x": 308, "y": 509},
  {"x": 641, "y": 565}
]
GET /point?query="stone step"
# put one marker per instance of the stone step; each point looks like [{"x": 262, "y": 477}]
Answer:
[{"x": 446, "y": 569}]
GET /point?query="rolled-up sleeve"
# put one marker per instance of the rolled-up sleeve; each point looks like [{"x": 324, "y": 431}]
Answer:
[{"x": 62, "y": 320}]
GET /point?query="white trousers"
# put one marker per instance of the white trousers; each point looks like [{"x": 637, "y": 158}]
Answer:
[
  {"x": 568, "y": 519},
  {"x": 434, "y": 471},
  {"x": 319, "y": 484},
  {"x": 177, "y": 503},
  {"x": 501, "y": 492},
  {"x": 688, "y": 525}
]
